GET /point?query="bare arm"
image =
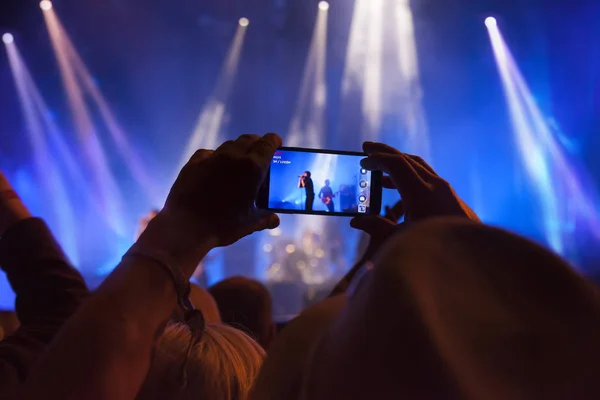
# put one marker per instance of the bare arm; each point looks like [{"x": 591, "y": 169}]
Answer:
[
  {"x": 104, "y": 351},
  {"x": 48, "y": 289}
]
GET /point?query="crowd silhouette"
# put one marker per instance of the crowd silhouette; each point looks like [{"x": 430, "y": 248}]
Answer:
[{"x": 440, "y": 306}]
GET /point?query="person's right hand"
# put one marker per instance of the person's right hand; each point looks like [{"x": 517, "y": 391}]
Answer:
[
  {"x": 212, "y": 202},
  {"x": 424, "y": 194}
]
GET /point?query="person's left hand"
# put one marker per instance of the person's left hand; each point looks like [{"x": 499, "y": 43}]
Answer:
[
  {"x": 424, "y": 194},
  {"x": 214, "y": 194}
]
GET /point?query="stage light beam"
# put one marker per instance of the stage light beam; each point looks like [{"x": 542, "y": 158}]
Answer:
[
  {"x": 553, "y": 176},
  {"x": 323, "y": 5},
  {"x": 8, "y": 38},
  {"x": 48, "y": 175},
  {"x": 211, "y": 118},
  {"x": 129, "y": 156},
  {"x": 46, "y": 5},
  {"x": 307, "y": 128},
  {"x": 382, "y": 48},
  {"x": 244, "y": 22},
  {"x": 105, "y": 186}
]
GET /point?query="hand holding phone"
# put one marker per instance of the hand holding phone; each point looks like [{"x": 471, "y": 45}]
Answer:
[{"x": 320, "y": 182}]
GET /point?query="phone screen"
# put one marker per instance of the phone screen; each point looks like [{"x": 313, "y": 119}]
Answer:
[{"x": 322, "y": 182}]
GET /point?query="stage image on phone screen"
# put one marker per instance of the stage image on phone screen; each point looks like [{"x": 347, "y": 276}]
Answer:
[{"x": 319, "y": 182}]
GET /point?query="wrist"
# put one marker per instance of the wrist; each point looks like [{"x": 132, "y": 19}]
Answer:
[
  {"x": 167, "y": 238},
  {"x": 12, "y": 211}
]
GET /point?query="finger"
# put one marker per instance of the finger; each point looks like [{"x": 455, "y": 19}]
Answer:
[
  {"x": 264, "y": 149},
  {"x": 225, "y": 147},
  {"x": 372, "y": 224},
  {"x": 402, "y": 174},
  {"x": 245, "y": 142},
  {"x": 395, "y": 212},
  {"x": 387, "y": 183},
  {"x": 422, "y": 162},
  {"x": 270, "y": 221},
  {"x": 200, "y": 155},
  {"x": 260, "y": 221},
  {"x": 376, "y": 147},
  {"x": 427, "y": 174}
]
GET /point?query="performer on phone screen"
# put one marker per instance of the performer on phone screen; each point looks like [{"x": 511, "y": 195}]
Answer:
[
  {"x": 306, "y": 182},
  {"x": 326, "y": 195}
]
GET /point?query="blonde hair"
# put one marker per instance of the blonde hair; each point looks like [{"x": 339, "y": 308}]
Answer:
[{"x": 222, "y": 366}]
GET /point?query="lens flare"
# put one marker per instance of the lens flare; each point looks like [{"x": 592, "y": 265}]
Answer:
[
  {"x": 8, "y": 38},
  {"x": 45, "y": 5},
  {"x": 490, "y": 22}
]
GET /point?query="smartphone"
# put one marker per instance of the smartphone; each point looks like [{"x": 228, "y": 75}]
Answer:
[{"x": 320, "y": 182}]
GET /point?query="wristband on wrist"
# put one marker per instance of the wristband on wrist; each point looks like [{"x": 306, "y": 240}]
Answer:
[{"x": 193, "y": 318}]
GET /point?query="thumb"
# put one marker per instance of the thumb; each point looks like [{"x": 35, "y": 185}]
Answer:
[
  {"x": 263, "y": 219},
  {"x": 259, "y": 221},
  {"x": 371, "y": 224}
]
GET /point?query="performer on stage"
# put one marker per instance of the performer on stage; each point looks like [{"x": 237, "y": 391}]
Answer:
[
  {"x": 306, "y": 182},
  {"x": 326, "y": 195}
]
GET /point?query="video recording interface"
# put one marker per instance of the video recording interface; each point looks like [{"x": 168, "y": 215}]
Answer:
[{"x": 319, "y": 182}]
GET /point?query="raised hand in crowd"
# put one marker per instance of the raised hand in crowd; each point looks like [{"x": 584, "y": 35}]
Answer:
[
  {"x": 105, "y": 350},
  {"x": 424, "y": 193},
  {"x": 212, "y": 200},
  {"x": 48, "y": 289}
]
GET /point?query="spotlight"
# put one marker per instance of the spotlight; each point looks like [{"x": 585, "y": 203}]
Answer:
[
  {"x": 323, "y": 5},
  {"x": 490, "y": 22},
  {"x": 8, "y": 38},
  {"x": 244, "y": 22},
  {"x": 45, "y": 5}
]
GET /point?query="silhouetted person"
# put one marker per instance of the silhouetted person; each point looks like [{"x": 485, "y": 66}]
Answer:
[
  {"x": 306, "y": 182},
  {"x": 246, "y": 304},
  {"x": 326, "y": 195}
]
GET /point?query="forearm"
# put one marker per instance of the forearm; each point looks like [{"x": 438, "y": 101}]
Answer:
[
  {"x": 48, "y": 289},
  {"x": 104, "y": 351},
  {"x": 12, "y": 211}
]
